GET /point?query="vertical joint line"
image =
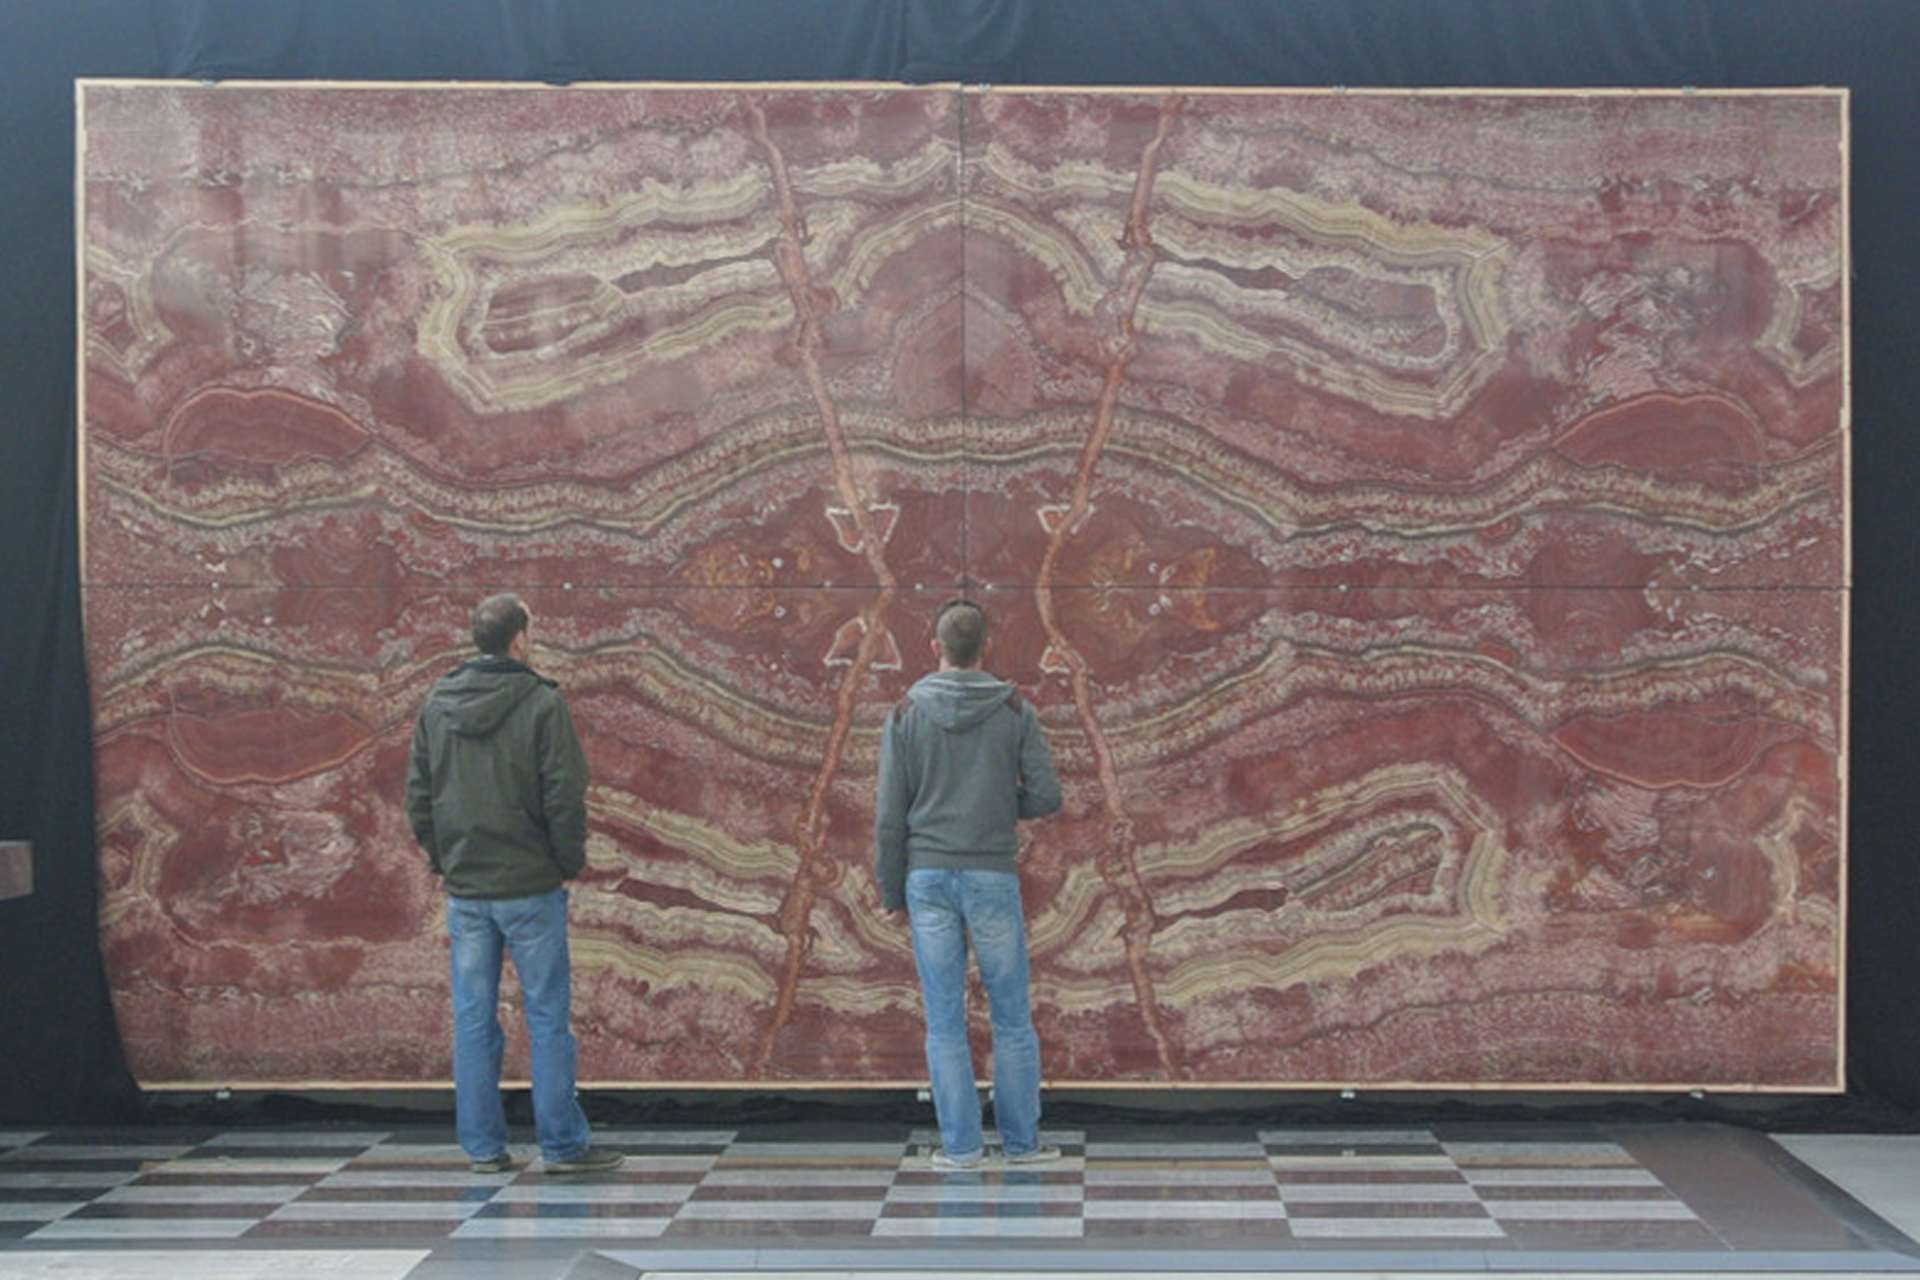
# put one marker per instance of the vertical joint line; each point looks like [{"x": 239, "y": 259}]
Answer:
[{"x": 960, "y": 285}]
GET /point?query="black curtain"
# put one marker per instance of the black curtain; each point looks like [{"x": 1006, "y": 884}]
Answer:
[{"x": 59, "y": 1054}]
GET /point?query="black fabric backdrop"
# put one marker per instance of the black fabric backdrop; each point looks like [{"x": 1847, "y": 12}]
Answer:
[{"x": 60, "y": 1059}]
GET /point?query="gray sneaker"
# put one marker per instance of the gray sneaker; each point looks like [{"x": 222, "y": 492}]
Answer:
[
  {"x": 592, "y": 1160},
  {"x": 1039, "y": 1155},
  {"x": 502, "y": 1163}
]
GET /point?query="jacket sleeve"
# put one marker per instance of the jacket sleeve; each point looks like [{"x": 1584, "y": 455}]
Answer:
[
  {"x": 894, "y": 795},
  {"x": 420, "y": 793},
  {"x": 1039, "y": 786},
  {"x": 563, "y": 788}
]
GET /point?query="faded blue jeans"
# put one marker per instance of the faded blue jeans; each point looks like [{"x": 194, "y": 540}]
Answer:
[
  {"x": 948, "y": 909},
  {"x": 534, "y": 931}
]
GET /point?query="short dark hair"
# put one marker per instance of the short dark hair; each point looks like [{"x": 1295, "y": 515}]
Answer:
[
  {"x": 497, "y": 620},
  {"x": 961, "y": 627}
]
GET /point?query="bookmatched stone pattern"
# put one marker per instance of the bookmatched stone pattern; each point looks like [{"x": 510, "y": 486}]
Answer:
[{"x": 1420, "y": 520}]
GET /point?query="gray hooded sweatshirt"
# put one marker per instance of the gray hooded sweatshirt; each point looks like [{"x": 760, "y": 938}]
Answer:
[{"x": 962, "y": 759}]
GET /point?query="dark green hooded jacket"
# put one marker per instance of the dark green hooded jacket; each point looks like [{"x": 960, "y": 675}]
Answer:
[{"x": 497, "y": 782}]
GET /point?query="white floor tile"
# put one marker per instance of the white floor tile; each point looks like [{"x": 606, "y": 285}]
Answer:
[
  {"x": 638, "y": 1228},
  {"x": 356, "y": 1264},
  {"x": 1396, "y": 1228},
  {"x": 1185, "y": 1210},
  {"x": 143, "y": 1229},
  {"x": 977, "y": 1228}
]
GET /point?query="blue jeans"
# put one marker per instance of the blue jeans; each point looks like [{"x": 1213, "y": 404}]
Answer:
[
  {"x": 949, "y": 908},
  {"x": 534, "y": 931}
]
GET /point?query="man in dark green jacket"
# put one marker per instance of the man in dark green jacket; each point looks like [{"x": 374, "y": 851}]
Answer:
[{"x": 496, "y": 795}]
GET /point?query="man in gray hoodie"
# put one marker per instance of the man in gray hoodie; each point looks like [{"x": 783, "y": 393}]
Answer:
[
  {"x": 962, "y": 760},
  {"x": 496, "y": 795}
]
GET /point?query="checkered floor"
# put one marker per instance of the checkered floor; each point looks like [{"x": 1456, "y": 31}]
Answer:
[{"x": 1122, "y": 1197}]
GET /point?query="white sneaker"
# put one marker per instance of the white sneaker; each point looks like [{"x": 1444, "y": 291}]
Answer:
[{"x": 941, "y": 1160}]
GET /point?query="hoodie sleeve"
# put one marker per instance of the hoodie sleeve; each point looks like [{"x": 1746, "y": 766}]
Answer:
[
  {"x": 563, "y": 788},
  {"x": 1039, "y": 787},
  {"x": 420, "y": 793},
  {"x": 893, "y": 796}
]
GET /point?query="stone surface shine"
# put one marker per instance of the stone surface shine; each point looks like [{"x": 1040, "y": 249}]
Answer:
[{"x": 1420, "y": 520}]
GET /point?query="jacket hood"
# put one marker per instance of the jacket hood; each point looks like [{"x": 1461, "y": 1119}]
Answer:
[
  {"x": 959, "y": 700},
  {"x": 477, "y": 695}
]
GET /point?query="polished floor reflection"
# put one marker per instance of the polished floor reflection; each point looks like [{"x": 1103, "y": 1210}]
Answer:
[{"x": 1163, "y": 1198}]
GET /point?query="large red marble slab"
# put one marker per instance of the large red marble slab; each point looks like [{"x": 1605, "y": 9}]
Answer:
[{"x": 1420, "y": 519}]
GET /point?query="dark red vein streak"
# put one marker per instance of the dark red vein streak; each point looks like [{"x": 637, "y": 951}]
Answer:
[
  {"x": 816, "y": 871},
  {"x": 1118, "y": 864}
]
